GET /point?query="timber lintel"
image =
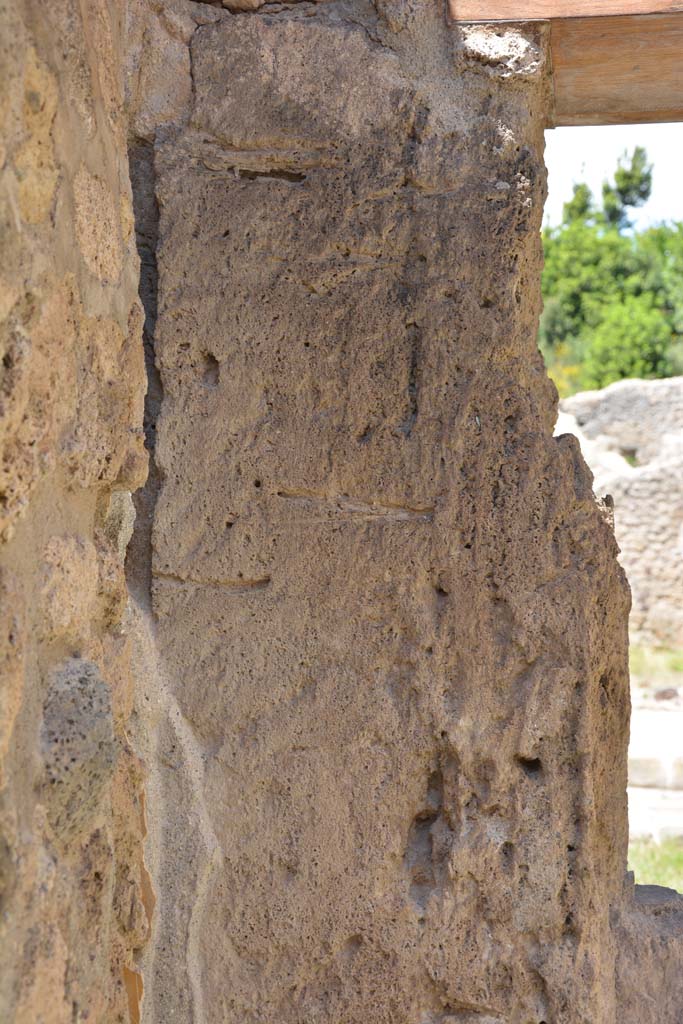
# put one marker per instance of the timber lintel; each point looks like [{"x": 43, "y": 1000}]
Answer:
[{"x": 614, "y": 62}]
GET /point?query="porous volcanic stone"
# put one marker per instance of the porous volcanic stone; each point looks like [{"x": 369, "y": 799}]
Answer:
[
  {"x": 392, "y": 780},
  {"x": 72, "y": 386}
]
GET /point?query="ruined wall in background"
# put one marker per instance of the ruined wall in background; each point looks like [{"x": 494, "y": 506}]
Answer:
[
  {"x": 74, "y": 897},
  {"x": 631, "y": 435}
]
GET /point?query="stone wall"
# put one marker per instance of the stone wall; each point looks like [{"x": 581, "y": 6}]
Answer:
[
  {"x": 73, "y": 889},
  {"x": 375, "y": 619},
  {"x": 632, "y": 438},
  {"x": 391, "y": 624}
]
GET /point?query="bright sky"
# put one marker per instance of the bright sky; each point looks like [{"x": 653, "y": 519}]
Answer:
[{"x": 590, "y": 154}]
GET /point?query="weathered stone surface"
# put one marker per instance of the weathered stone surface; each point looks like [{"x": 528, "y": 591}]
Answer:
[
  {"x": 374, "y": 669},
  {"x": 79, "y": 749},
  {"x": 12, "y": 654},
  {"x": 650, "y": 944},
  {"x": 69, "y": 587},
  {"x": 157, "y": 65},
  {"x": 392, "y": 703},
  {"x": 71, "y": 396},
  {"x": 631, "y": 435}
]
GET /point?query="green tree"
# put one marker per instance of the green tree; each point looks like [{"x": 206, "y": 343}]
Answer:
[
  {"x": 581, "y": 205},
  {"x": 632, "y": 187},
  {"x": 631, "y": 340},
  {"x": 613, "y": 296}
]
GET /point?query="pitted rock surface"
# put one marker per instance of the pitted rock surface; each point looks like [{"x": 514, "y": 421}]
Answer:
[
  {"x": 73, "y": 885},
  {"x": 79, "y": 748},
  {"x": 363, "y": 700},
  {"x": 388, "y": 607}
]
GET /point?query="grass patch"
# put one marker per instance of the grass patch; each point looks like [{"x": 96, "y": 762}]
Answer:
[
  {"x": 657, "y": 863},
  {"x": 675, "y": 661},
  {"x": 656, "y": 666}
]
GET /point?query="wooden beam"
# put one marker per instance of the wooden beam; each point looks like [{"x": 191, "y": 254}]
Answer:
[
  {"x": 549, "y": 10},
  {"x": 624, "y": 70},
  {"x": 614, "y": 61}
]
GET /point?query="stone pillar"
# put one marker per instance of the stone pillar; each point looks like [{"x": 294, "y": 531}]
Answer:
[{"x": 392, "y": 624}]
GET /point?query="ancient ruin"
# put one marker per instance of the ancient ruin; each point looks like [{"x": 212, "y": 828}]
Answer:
[
  {"x": 328, "y": 722},
  {"x": 631, "y": 435}
]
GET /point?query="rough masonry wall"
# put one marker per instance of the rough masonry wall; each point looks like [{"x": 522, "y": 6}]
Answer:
[
  {"x": 74, "y": 896},
  {"x": 390, "y": 779},
  {"x": 371, "y": 665}
]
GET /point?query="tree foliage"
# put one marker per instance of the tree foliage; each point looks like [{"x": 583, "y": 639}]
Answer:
[
  {"x": 632, "y": 187},
  {"x": 613, "y": 296}
]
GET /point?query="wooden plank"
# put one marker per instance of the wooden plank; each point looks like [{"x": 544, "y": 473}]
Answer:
[
  {"x": 548, "y": 10},
  {"x": 618, "y": 70}
]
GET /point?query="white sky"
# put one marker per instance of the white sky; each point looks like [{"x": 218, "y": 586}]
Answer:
[{"x": 590, "y": 154}]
